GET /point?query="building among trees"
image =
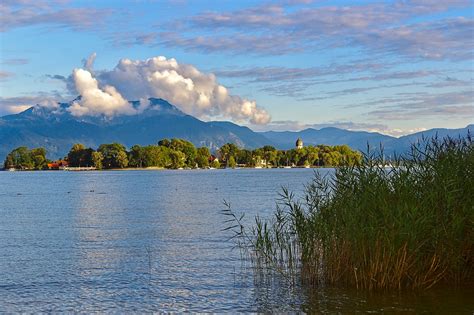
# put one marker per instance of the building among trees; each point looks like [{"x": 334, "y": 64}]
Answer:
[
  {"x": 299, "y": 143},
  {"x": 180, "y": 153}
]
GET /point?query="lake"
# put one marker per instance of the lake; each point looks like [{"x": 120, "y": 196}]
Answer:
[{"x": 138, "y": 241}]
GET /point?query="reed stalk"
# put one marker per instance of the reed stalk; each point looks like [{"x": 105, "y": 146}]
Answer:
[{"x": 372, "y": 227}]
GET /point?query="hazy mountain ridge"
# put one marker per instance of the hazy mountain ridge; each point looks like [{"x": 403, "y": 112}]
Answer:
[
  {"x": 328, "y": 135},
  {"x": 360, "y": 139},
  {"x": 57, "y": 130}
]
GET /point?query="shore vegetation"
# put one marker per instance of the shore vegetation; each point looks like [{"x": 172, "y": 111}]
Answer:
[
  {"x": 180, "y": 153},
  {"x": 369, "y": 227}
]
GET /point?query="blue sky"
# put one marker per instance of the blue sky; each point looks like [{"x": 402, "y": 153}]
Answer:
[{"x": 388, "y": 66}]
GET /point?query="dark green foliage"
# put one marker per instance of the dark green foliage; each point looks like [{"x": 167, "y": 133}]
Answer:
[
  {"x": 136, "y": 156},
  {"x": 202, "y": 157},
  {"x": 97, "y": 159},
  {"x": 38, "y": 157},
  {"x": 368, "y": 226},
  {"x": 215, "y": 164},
  {"x": 178, "y": 159},
  {"x": 79, "y": 156},
  {"x": 183, "y": 146},
  {"x": 114, "y": 155},
  {"x": 24, "y": 159},
  {"x": 227, "y": 151},
  {"x": 150, "y": 156},
  {"x": 268, "y": 156},
  {"x": 245, "y": 157},
  {"x": 179, "y": 153},
  {"x": 231, "y": 163}
]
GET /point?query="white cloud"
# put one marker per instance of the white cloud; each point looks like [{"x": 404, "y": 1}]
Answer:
[
  {"x": 95, "y": 100},
  {"x": 183, "y": 85},
  {"x": 15, "y": 109},
  {"x": 89, "y": 62},
  {"x": 14, "y": 105}
]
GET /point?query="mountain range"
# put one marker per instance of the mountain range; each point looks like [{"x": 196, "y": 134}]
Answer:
[{"x": 57, "y": 130}]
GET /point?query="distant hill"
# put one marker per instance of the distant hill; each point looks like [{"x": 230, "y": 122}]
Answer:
[
  {"x": 359, "y": 139},
  {"x": 57, "y": 130},
  {"x": 328, "y": 136},
  {"x": 253, "y": 139},
  {"x": 402, "y": 144}
]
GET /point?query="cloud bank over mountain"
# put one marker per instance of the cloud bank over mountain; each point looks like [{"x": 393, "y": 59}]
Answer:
[
  {"x": 95, "y": 100},
  {"x": 194, "y": 92}
]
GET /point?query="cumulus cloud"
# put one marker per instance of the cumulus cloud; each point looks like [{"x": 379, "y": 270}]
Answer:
[
  {"x": 96, "y": 100},
  {"x": 193, "y": 91},
  {"x": 196, "y": 93}
]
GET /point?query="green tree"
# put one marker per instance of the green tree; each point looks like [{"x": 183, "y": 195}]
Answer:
[
  {"x": 202, "y": 157},
  {"x": 228, "y": 150},
  {"x": 269, "y": 154},
  {"x": 115, "y": 155},
  {"x": 38, "y": 157},
  {"x": 19, "y": 158},
  {"x": 245, "y": 157},
  {"x": 215, "y": 164},
  {"x": 164, "y": 143},
  {"x": 158, "y": 156},
  {"x": 348, "y": 156},
  {"x": 187, "y": 148},
  {"x": 97, "y": 159},
  {"x": 9, "y": 162},
  {"x": 296, "y": 156},
  {"x": 122, "y": 159},
  {"x": 257, "y": 156},
  {"x": 183, "y": 146},
  {"x": 79, "y": 156},
  {"x": 136, "y": 156},
  {"x": 231, "y": 163},
  {"x": 331, "y": 158},
  {"x": 312, "y": 155},
  {"x": 178, "y": 159}
]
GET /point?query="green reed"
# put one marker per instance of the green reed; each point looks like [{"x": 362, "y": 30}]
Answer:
[{"x": 372, "y": 227}]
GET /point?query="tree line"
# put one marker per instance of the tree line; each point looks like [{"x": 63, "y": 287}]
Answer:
[{"x": 179, "y": 153}]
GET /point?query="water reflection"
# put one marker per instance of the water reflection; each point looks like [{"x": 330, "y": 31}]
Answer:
[
  {"x": 274, "y": 293},
  {"x": 150, "y": 241}
]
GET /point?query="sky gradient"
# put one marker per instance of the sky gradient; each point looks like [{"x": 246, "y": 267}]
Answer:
[{"x": 394, "y": 67}]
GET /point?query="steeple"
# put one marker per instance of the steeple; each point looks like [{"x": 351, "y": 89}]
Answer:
[{"x": 299, "y": 143}]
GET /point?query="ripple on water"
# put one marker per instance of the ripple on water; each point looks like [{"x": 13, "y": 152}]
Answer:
[{"x": 152, "y": 241}]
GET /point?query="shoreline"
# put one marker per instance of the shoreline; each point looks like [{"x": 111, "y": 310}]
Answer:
[{"x": 165, "y": 169}]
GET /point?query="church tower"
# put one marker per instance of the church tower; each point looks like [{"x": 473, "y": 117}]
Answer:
[{"x": 299, "y": 143}]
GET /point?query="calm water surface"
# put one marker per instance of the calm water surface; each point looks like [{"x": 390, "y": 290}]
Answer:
[{"x": 152, "y": 241}]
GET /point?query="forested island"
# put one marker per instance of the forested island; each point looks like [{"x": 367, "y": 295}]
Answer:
[{"x": 179, "y": 153}]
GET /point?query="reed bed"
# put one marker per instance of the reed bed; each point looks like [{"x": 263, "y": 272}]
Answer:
[{"x": 372, "y": 227}]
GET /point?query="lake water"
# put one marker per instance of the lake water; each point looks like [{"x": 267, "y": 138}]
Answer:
[{"x": 137, "y": 241}]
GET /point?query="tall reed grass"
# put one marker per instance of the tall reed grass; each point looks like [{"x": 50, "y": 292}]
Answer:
[{"x": 372, "y": 227}]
